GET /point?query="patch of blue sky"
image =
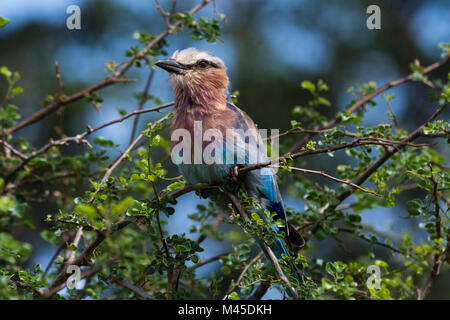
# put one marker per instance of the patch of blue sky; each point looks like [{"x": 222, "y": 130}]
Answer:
[
  {"x": 379, "y": 67},
  {"x": 179, "y": 224},
  {"x": 347, "y": 21},
  {"x": 431, "y": 25},
  {"x": 300, "y": 47},
  {"x": 23, "y": 12}
]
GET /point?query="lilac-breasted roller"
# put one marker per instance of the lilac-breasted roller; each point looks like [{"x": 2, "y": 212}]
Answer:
[{"x": 200, "y": 86}]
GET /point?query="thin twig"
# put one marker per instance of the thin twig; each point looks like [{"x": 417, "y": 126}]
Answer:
[
  {"x": 125, "y": 154},
  {"x": 394, "y": 118},
  {"x": 172, "y": 9},
  {"x": 83, "y": 258},
  {"x": 14, "y": 151},
  {"x": 50, "y": 263},
  {"x": 42, "y": 113},
  {"x": 363, "y": 237},
  {"x": 269, "y": 251},
  {"x": 142, "y": 103},
  {"x": 362, "y": 141},
  {"x": 390, "y": 152},
  {"x": 48, "y": 293},
  {"x": 161, "y": 233},
  {"x": 24, "y": 285},
  {"x": 164, "y": 15},
  {"x": 118, "y": 161},
  {"x": 214, "y": 225},
  {"x": 438, "y": 258},
  {"x": 76, "y": 242},
  {"x": 328, "y": 209},
  {"x": 79, "y": 138},
  {"x": 209, "y": 260},
  {"x": 133, "y": 288},
  {"x": 177, "y": 272},
  {"x": 241, "y": 276},
  {"x": 321, "y": 173},
  {"x": 59, "y": 83}
]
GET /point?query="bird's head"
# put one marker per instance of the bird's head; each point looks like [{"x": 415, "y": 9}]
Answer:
[{"x": 198, "y": 73}]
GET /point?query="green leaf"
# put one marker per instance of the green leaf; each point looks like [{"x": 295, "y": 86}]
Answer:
[
  {"x": 256, "y": 216},
  {"x": 331, "y": 268},
  {"x": 308, "y": 85},
  {"x": 111, "y": 66},
  {"x": 295, "y": 124},
  {"x": 122, "y": 206},
  {"x": 13, "y": 251},
  {"x": 234, "y": 296},
  {"x": 15, "y": 91},
  {"x": 6, "y": 72},
  {"x": 104, "y": 142},
  {"x": 381, "y": 263},
  {"x": 327, "y": 284},
  {"x": 324, "y": 101},
  {"x": 181, "y": 248},
  {"x": 86, "y": 211},
  {"x": 3, "y": 22},
  {"x": 280, "y": 223}
]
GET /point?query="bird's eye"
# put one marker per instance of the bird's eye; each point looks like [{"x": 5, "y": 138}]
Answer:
[{"x": 203, "y": 64}]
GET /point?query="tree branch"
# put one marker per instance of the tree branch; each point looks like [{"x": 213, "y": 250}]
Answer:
[
  {"x": 369, "y": 97},
  {"x": 79, "y": 138},
  {"x": 269, "y": 251},
  {"x": 141, "y": 103},
  {"x": 133, "y": 288},
  {"x": 390, "y": 152},
  {"x": 125, "y": 153},
  {"x": 241, "y": 276},
  {"x": 321, "y": 173},
  {"x": 363, "y": 237},
  {"x": 115, "y": 78},
  {"x": 438, "y": 257},
  {"x": 83, "y": 258},
  {"x": 363, "y": 141},
  {"x": 42, "y": 113},
  {"x": 164, "y": 15},
  {"x": 374, "y": 167},
  {"x": 51, "y": 291},
  {"x": 212, "y": 259}
]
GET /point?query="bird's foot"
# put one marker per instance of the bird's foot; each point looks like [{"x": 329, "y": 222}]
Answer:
[{"x": 234, "y": 173}]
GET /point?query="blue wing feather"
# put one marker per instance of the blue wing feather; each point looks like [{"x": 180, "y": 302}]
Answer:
[{"x": 263, "y": 180}]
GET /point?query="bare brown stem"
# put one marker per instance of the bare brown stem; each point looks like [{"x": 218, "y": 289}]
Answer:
[
  {"x": 321, "y": 173},
  {"x": 133, "y": 288},
  {"x": 242, "y": 274},
  {"x": 141, "y": 103}
]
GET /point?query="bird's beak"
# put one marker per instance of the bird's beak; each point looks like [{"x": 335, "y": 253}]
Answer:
[{"x": 170, "y": 65}]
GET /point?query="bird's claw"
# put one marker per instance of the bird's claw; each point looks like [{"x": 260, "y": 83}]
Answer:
[{"x": 234, "y": 173}]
